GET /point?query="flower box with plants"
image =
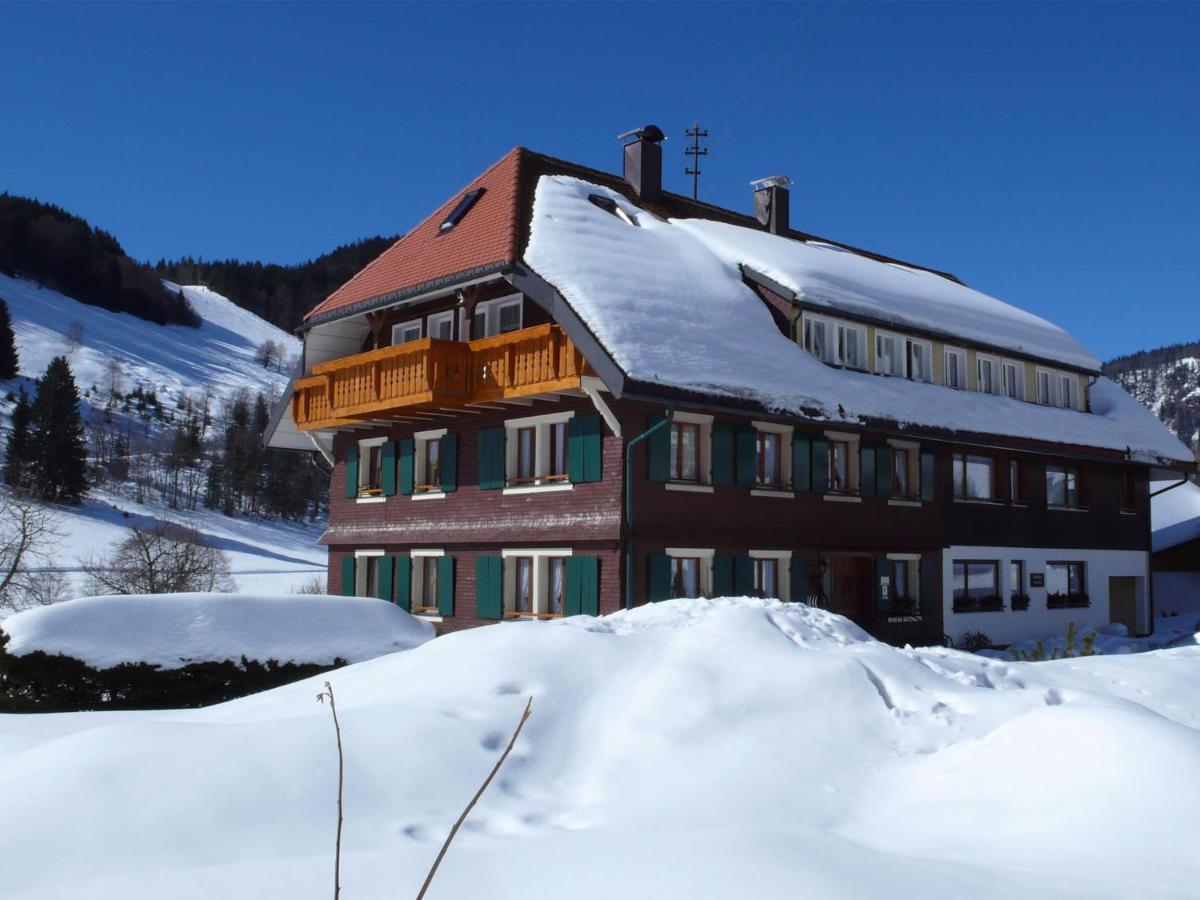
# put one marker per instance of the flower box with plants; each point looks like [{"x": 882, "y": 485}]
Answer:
[
  {"x": 1019, "y": 602},
  {"x": 991, "y": 603},
  {"x": 1065, "y": 600}
]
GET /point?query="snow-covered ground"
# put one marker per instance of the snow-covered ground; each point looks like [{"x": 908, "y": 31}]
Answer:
[
  {"x": 174, "y": 362},
  {"x": 701, "y": 749},
  {"x": 174, "y": 630}
]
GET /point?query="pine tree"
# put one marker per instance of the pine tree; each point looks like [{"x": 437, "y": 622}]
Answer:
[
  {"x": 59, "y": 452},
  {"x": 8, "y": 345},
  {"x": 18, "y": 448}
]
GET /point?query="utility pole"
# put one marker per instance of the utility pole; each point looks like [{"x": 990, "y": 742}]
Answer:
[{"x": 695, "y": 152}]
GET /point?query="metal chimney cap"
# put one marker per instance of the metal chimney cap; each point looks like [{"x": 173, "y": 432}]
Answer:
[
  {"x": 651, "y": 133},
  {"x": 761, "y": 184}
]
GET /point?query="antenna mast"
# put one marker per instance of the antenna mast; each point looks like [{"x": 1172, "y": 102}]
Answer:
[{"x": 695, "y": 152}]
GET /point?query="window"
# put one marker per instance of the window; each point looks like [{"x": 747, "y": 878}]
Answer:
[
  {"x": 974, "y": 477},
  {"x": 1066, "y": 391},
  {"x": 406, "y": 331},
  {"x": 851, "y": 346},
  {"x": 685, "y": 451},
  {"x": 836, "y": 343},
  {"x": 367, "y": 576},
  {"x": 766, "y": 577},
  {"x": 425, "y": 580},
  {"x": 1129, "y": 492},
  {"x": 1063, "y": 487},
  {"x": 497, "y": 317},
  {"x": 1045, "y": 387},
  {"x": 441, "y": 325},
  {"x": 685, "y": 576},
  {"x": 536, "y": 451},
  {"x": 1013, "y": 380},
  {"x": 1016, "y": 577},
  {"x": 901, "y": 577},
  {"x": 770, "y": 473},
  {"x": 987, "y": 375},
  {"x": 535, "y": 582},
  {"x": 370, "y": 467},
  {"x": 465, "y": 202},
  {"x": 1016, "y": 481},
  {"x": 816, "y": 340},
  {"x": 956, "y": 369},
  {"x": 1065, "y": 585},
  {"x": 839, "y": 467},
  {"x": 901, "y": 468},
  {"x": 431, "y": 465},
  {"x": 887, "y": 354},
  {"x": 976, "y": 585},
  {"x": 920, "y": 360}
]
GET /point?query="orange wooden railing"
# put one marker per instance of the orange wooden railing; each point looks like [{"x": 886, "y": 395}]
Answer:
[{"x": 443, "y": 373}]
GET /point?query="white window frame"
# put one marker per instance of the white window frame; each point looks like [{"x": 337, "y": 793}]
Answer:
[
  {"x": 360, "y": 570},
  {"x": 418, "y": 603},
  {"x": 703, "y": 458},
  {"x": 927, "y": 346},
  {"x": 785, "y": 433},
  {"x": 364, "y": 454},
  {"x": 706, "y": 564},
  {"x": 435, "y": 319},
  {"x": 853, "y": 466},
  {"x": 400, "y": 326},
  {"x": 490, "y": 310},
  {"x": 420, "y": 476},
  {"x": 836, "y": 330},
  {"x": 784, "y": 558},
  {"x": 541, "y": 453},
  {"x": 993, "y": 362},
  {"x": 960, "y": 367},
  {"x": 1019, "y": 369},
  {"x": 541, "y": 581},
  {"x": 1051, "y": 397},
  {"x": 898, "y": 356},
  {"x": 1071, "y": 382}
]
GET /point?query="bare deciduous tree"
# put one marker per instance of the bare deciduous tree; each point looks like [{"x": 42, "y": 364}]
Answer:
[
  {"x": 26, "y": 529},
  {"x": 163, "y": 558}
]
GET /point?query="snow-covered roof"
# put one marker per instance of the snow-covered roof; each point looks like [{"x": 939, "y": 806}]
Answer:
[
  {"x": 1174, "y": 515},
  {"x": 173, "y": 630},
  {"x": 667, "y": 301}
]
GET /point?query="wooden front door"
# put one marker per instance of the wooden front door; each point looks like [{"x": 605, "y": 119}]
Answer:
[{"x": 853, "y": 584}]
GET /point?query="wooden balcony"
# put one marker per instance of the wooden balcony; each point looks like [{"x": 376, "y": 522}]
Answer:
[{"x": 434, "y": 375}]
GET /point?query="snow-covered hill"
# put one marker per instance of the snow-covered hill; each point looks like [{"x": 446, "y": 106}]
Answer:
[
  {"x": 693, "y": 748},
  {"x": 1167, "y": 382},
  {"x": 174, "y": 362}
]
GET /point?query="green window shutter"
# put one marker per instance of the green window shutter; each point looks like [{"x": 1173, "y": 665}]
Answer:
[
  {"x": 385, "y": 579},
  {"x": 583, "y": 448},
  {"x": 449, "y": 461},
  {"x": 722, "y": 576},
  {"x": 927, "y": 476},
  {"x": 404, "y": 468},
  {"x": 404, "y": 583},
  {"x": 801, "y": 463},
  {"x": 883, "y": 472},
  {"x": 351, "y": 470},
  {"x": 489, "y": 587},
  {"x": 445, "y": 597},
  {"x": 743, "y": 576},
  {"x": 930, "y": 579},
  {"x": 491, "y": 458},
  {"x": 722, "y": 453},
  {"x": 388, "y": 469},
  {"x": 349, "y": 571},
  {"x": 883, "y": 569},
  {"x": 820, "y": 465},
  {"x": 583, "y": 586},
  {"x": 659, "y": 565},
  {"x": 658, "y": 451},
  {"x": 798, "y": 575},
  {"x": 866, "y": 470},
  {"x": 747, "y": 456}
]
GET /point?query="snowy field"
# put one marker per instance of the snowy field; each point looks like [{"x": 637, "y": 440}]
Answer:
[
  {"x": 173, "y": 361},
  {"x": 700, "y": 749}
]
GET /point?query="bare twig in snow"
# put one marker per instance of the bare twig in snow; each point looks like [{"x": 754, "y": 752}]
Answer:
[
  {"x": 479, "y": 793},
  {"x": 337, "y": 848}
]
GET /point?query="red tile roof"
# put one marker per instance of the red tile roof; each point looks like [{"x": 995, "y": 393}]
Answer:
[{"x": 486, "y": 235}]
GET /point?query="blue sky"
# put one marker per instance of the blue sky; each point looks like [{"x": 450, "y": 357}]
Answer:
[{"x": 1046, "y": 154}]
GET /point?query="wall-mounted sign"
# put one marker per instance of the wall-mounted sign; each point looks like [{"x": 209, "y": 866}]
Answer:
[{"x": 1037, "y": 579}]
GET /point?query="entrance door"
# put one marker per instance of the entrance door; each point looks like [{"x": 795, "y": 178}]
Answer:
[
  {"x": 853, "y": 587},
  {"x": 1122, "y": 601}
]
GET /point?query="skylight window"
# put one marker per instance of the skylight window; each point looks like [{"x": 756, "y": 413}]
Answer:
[
  {"x": 465, "y": 202},
  {"x": 609, "y": 205}
]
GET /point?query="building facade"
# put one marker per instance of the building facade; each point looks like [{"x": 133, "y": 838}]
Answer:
[{"x": 503, "y": 448}]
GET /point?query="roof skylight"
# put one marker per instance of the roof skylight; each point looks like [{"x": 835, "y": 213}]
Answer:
[{"x": 465, "y": 202}]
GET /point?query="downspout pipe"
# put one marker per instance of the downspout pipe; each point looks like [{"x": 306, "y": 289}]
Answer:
[{"x": 663, "y": 423}]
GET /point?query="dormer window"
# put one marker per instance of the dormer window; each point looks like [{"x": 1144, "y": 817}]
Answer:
[
  {"x": 956, "y": 369},
  {"x": 1012, "y": 378},
  {"x": 464, "y": 204},
  {"x": 836, "y": 343},
  {"x": 987, "y": 374}
]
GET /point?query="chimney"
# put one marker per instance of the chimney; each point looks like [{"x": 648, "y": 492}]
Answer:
[
  {"x": 643, "y": 161},
  {"x": 771, "y": 203}
]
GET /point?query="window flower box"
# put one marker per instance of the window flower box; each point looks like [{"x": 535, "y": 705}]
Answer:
[
  {"x": 991, "y": 603},
  {"x": 1019, "y": 602}
]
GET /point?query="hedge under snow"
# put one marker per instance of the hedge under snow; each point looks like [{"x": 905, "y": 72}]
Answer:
[{"x": 173, "y": 630}]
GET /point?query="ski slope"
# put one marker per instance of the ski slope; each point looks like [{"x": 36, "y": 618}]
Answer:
[
  {"x": 692, "y": 748},
  {"x": 174, "y": 362}
]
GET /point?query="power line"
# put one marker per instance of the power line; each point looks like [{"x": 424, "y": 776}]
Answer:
[{"x": 695, "y": 153}]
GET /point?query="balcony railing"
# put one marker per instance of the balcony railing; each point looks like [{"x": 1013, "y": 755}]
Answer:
[{"x": 384, "y": 383}]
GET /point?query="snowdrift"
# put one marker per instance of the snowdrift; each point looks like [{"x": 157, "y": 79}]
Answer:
[
  {"x": 708, "y": 749},
  {"x": 173, "y": 630}
]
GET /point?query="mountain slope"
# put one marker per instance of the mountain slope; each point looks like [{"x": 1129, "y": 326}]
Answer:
[
  {"x": 1167, "y": 382},
  {"x": 178, "y": 364}
]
